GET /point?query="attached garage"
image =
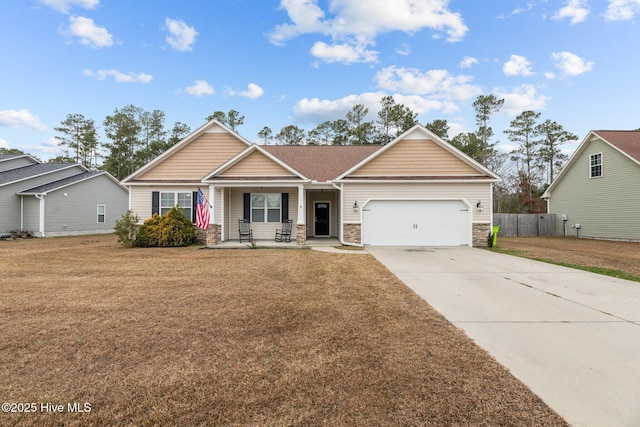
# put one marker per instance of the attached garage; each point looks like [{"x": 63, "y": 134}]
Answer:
[{"x": 416, "y": 223}]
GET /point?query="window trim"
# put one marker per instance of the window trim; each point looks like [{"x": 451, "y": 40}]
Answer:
[
  {"x": 104, "y": 214},
  {"x": 265, "y": 209},
  {"x": 594, "y": 167},
  {"x": 161, "y": 207}
]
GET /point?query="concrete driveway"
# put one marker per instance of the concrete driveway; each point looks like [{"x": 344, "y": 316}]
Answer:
[{"x": 573, "y": 337}]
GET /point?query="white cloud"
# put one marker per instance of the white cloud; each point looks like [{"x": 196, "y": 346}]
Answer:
[
  {"x": 200, "y": 88},
  {"x": 64, "y": 6},
  {"x": 468, "y": 62},
  {"x": 620, "y": 10},
  {"x": 344, "y": 53},
  {"x": 517, "y": 66},
  {"x": 520, "y": 99},
  {"x": 88, "y": 32},
  {"x": 437, "y": 83},
  {"x": 356, "y": 23},
  {"x": 181, "y": 36},
  {"x": 253, "y": 91},
  {"x": 20, "y": 119},
  {"x": 571, "y": 64},
  {"x": 575, "y": 10},
  {"x": 118, "y": 76},
  {"x": 4, "y": 143},
  {"x": 404, "y": 50}
]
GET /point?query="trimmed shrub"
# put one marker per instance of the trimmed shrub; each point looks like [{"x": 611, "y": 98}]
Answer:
[
  {"x": 169, "y": 230},
  {"x": 127, "y": 228}
]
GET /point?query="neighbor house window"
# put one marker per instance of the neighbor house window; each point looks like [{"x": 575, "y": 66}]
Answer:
[
  {"x": 102, "y": 214},
  {"x": 182, "y": 200},
  {"x": 595, "y": 165},
  {"x": 266, "y": 207}
]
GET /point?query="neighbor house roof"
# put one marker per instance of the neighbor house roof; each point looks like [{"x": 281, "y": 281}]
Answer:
[
  {"x": 61, "y": 183},
  {"x": 627, "y": 141},
  {"x": 321, "y": 162},
  {"x": 25, "y": 172}
]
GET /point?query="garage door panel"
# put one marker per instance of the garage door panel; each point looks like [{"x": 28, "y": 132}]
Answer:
[{"x": 416, "y": 223}]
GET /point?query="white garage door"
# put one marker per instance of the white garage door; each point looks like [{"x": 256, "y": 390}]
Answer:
[{"x": 416, "y": 223}]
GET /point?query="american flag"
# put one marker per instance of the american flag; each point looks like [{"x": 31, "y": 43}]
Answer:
[{"x": 202, "y": 211}]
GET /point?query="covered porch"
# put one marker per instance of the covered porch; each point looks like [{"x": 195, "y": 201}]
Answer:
[{"x": 314, "y": 210}]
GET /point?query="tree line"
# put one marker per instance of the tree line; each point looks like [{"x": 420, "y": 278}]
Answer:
[{"x": 135, "y": 136}]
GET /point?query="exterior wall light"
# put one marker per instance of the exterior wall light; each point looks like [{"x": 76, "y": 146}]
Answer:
[
  {"x": 479, "y": 206},
  {"x": 356, "y": 208}
]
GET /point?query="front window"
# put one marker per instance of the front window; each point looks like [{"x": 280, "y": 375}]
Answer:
[
  {"x": 266, "y": 207},
  {"x": 182, "y": 200},
  {"x": 595, "y": 165},
  {"x": 102, "y": 214}
]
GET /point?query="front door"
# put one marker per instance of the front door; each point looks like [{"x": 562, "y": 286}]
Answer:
[{"x": 321, "y": 211}]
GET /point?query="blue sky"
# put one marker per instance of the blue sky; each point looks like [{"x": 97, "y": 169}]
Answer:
[{"x": 305, "y": 61}]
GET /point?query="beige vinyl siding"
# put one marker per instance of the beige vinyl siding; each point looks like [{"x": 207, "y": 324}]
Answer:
[
  {"x": 198, "y": 158},
  {"x": 256, "y": 164},
  {"x": 141, "y": 197},
  {"x": 470, "y": 192},
  {"x": 261, "y": 230},
  {"x": 415, "y": 157},
  {"x": 606, "y": 206}
]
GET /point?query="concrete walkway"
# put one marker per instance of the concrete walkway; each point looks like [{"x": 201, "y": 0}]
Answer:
[{"x": 572, "y": 337}]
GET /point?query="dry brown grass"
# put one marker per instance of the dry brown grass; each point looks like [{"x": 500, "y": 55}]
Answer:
[
  {"x": 607, "y": 254},
  {"x": 236, "y": 337}
]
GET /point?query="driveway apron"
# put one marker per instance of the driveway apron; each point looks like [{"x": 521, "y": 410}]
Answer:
[{"x": 571, "y": 336}]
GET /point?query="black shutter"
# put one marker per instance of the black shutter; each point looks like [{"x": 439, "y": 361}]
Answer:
[
  {"x": 247, "y": 207},
  {"x": 155, "y": 202},
  {"x": 194, "y": 205},
  {"x": 285, "y": 207}
]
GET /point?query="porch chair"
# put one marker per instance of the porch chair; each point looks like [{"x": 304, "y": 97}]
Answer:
[
  {"x": 284, "y": 234},
  {"x": 244, "y": 229}
]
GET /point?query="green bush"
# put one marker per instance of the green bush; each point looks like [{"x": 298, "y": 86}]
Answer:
[
  {"x": 127, "y": 229},
  {"x": 169, "y": 230}
]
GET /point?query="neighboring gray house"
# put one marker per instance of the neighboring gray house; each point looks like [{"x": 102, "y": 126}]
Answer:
[
  {"x": 598, "y": 191},
  {"x": 57, "y": 199}
]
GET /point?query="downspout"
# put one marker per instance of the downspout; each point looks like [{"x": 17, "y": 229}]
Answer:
[
  {"x": 341, "y": 231},
  {"x": 41, "y": 225}
]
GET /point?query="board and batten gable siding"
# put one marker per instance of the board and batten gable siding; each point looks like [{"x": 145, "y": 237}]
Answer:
[
  {"x": 10, "y": 201},
  {"x": 470, "y": 192},
  {"x": 261, "y": 230},
  {"x": 415, "y": 157},
  {"x": 606, "y": 206},
  {"x": 255, "y": 164},
  {"x": 197, "y": 158},
  {"x": 73, "y": 209}
]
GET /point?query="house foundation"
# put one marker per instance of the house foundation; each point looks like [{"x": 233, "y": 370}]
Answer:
[{"x": 352, "y": 233}]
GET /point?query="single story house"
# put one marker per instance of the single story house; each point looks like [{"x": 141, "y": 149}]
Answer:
[
  {"x": 597, "y": 194},
  {"x": 416, "y": 190},
  {"x": 57, "y": 199}
]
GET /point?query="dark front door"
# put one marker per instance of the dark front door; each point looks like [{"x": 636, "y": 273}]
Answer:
[{"x": 322, "y": 218}]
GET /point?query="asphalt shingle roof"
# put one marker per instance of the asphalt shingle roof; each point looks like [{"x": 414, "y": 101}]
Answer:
[
  {"x": 321, "y": 162},
  {"x": 30, "y": 171},
  {"x": 45, "y": 188},
  {"x": 627, "y": 141}
]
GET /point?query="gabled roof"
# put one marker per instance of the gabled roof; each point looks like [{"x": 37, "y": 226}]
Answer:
[
  {"x": 418, "y": 129},
  {"x": 248, "y": 151},
  {"x": 321, "y": 162},
  {"x": 627, "y": 142},
  {"x": 26, "y": 172},
  {"x": 65, "y": 182},
  {"x": 211, "y": 125},
  {"x": 7, "y": 157}
]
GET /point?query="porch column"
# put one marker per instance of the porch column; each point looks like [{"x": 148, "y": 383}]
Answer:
[{"x": 301, "y": 230}]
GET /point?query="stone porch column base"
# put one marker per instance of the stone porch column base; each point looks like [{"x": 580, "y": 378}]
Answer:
[{"x": 301, "y": 234}]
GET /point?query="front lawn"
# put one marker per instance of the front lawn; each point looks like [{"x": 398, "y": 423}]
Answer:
[{"x": 235, "y": 337}]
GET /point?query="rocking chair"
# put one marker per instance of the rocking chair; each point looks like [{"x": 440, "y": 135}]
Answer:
[
  {"x": 284, "y": 234},
  {"x": 244, "y": 230}
]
